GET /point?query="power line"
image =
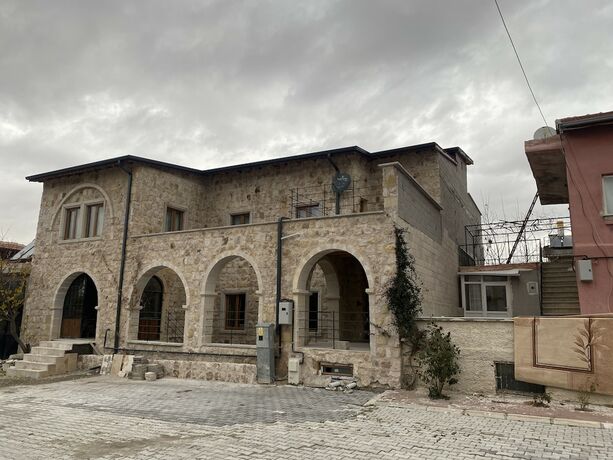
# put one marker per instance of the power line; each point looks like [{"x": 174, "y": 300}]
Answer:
[{"x": 519, "y": 61}]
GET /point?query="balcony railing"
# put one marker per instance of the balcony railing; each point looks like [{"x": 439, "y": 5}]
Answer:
[
  {"x": 167, "y": 328},
  {"x": 320, "y": 200}
]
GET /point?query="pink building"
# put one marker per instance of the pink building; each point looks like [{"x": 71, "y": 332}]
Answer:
[{"x": 575, "y": 166}]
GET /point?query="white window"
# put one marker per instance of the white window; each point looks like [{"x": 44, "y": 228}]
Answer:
[
  {"x": 607, "y": 193},
  {"x": 71, "y": 223},
  {"x": 84, "y": 220},
  {"x": 94, "y": 220},
  {"x": 486, "y": 295}
]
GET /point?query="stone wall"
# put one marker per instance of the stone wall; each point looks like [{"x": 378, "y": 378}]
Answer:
[{"x": 482, "y": 343}]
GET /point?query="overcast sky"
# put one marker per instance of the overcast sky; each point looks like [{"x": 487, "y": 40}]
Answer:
[{"x": 212, "y": 83}]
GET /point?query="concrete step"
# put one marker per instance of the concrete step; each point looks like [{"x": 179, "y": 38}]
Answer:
[
  {"x": 47, "y": 351},
  {"x": 26, "y": 373},
  {"x": 565, "y": 300},
  {"x": 45, "y": 359},
  {"x": 562, "y": 302},
  {"x": 560, "y": 295},
  {"x": 60, "y": 345},
  {"x": 560, "y": 288},
  {"x": 557, "y": 268},
  {"x": 561, "y": 312},
  {"x": 36, "y": 366}
]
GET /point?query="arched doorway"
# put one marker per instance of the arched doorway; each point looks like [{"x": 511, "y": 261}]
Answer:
[
  {"x": 158, "y": 305},
  {"x": 333, "y": 306},
  {"x": 150, "y": 319},
  {"x": 231, "y": 301},
  {"x": 79, "y": 311}
]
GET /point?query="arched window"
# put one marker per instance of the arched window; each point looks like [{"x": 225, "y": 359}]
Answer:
[
  {"x": 150, "y": 319},
  {"x": 79, "y": 312}
]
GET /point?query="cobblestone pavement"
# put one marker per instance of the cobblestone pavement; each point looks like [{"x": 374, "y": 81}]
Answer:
[{"x": 110, "y": 418}]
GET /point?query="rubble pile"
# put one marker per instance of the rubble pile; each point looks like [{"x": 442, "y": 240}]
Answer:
[{"x": 347, "y": 385}]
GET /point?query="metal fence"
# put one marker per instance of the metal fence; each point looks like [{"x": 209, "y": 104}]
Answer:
[
  {"x": 333, "y": 330},
  {"x": 320, "y": 200},
  {"x": 224, "y": 333},
  {"x": 494, "y": 243},
  {"x": 167, "y": 328}
]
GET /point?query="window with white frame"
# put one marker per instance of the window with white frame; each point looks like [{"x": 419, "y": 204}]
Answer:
[
  {"x": 486, "y": 295},
  {"x": 83, "y": 220},
  {"x": 607, "y": 193}
]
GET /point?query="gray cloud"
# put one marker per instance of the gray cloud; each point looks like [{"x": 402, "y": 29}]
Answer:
[{"x": 208, "y": 83}]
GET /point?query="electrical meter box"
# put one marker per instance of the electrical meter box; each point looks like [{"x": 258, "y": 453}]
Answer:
[
  {"x": 265, "y": 350},
  {"x": 585, "y": 270},
  {"x": 286, "y": 309}
]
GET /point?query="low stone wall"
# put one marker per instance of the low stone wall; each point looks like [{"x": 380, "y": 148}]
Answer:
[
  {"x": 86, "y": 362},
  {"x": 207, "y": 370},
  {"x": 482, "y": 342},
  {"x": 363, "y": 369}
]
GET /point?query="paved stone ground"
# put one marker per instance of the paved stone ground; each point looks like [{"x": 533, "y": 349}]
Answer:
[{"x": 110, "y": 418}]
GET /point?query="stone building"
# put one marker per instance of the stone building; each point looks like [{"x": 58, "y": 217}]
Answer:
[{"x": 180, "y": 264}]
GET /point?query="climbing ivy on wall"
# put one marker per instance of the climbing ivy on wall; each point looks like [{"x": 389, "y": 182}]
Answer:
[{"x": 404, "y": 298}]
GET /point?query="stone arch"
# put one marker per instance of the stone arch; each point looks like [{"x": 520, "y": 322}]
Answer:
[
  {"x": 343, "y": 318},
  {"x": 60, "y": 296},
  {"x": 107, "y": 201},
  {"x": 307, "y": 264},
  {"x": 209, "y": 281},
  {"x": 168, "y": 324},
  {"x": 231, "y": 284}
]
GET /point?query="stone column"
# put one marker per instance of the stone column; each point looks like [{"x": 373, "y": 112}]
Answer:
[
  {"x": 301, "y": 302},
  {"x": 206, "y": 319}
]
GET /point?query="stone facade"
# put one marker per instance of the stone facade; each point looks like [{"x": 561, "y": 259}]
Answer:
[{"x": 346, "y": 258}]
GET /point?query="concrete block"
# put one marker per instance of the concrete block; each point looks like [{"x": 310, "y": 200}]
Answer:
[
  {"x": 150, "y": 376},
  {"x": 157, "y": 368},
  {"x": 107, "y": 361}
]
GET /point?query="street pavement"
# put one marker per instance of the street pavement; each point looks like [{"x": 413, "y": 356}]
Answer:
[{"x": 112, "y": 418}]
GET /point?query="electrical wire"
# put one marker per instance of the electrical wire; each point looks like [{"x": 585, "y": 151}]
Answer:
[
  {"x": 520, "y": 63},
  {"x": 595, "y": 235}
]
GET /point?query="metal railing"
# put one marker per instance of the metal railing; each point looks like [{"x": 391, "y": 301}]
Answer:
[
  {"x": 501, "y": 242},
  {"x": 320, "y": 200},
  {"x": 167, "y": 328},
  {"x": 233, "y": 334},
  {"x": 333, "y": 330}
]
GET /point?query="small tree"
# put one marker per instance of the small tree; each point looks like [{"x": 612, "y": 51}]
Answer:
[
  {"x": 438, "y": 359},
  {"x": 13, "y": 283},
  {"x": 404, "y": 297}
]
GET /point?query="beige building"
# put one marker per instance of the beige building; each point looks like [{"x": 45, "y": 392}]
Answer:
[{"x": 180, "y": 264}]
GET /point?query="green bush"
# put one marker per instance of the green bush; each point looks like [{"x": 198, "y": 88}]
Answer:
[{"x": 438, "y": 360}]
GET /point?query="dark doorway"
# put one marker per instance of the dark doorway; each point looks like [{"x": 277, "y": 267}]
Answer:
[
  {"x": 79, "y": 313},
  {"x": 150, "y": 319}
]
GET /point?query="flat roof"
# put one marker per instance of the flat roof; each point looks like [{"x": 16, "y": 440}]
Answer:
[{"x": 128, "y": 159}]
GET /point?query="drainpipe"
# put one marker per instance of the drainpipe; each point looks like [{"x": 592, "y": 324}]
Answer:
[
  {"x": 337, "y": 195},
  {"x": 122, "y": 264},
  {"x": 279, "y": 264}
]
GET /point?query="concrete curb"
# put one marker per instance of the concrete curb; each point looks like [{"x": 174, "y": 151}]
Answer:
[{"x": 502, "y": 415}]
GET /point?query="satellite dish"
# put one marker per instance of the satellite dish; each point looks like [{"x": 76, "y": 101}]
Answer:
[
  {"x": 544, "y": 132},
  {"x": 341, "y": 182}
]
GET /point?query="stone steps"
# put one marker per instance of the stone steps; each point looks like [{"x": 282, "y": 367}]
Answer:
[{"x": 49, "y": 358}]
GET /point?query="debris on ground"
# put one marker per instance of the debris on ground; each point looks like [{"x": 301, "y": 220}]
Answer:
[
  {"x": 133, "y": 367},
  {"x": 345, "y": 384}
]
